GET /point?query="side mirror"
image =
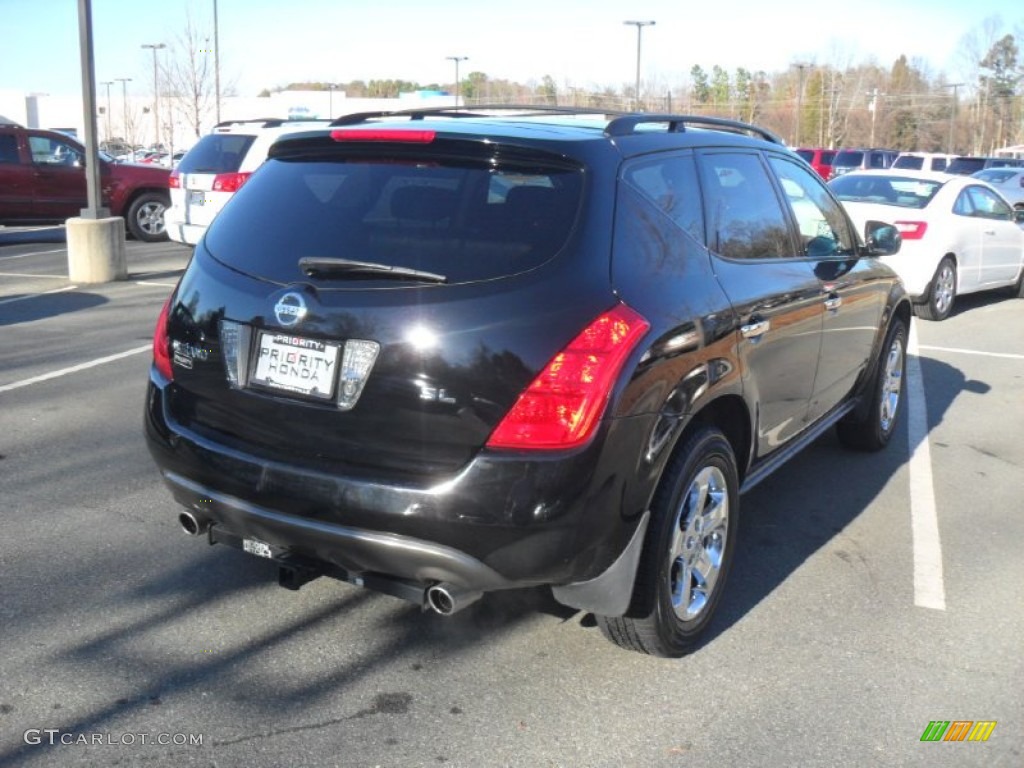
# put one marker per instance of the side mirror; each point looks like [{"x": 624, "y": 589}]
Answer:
[
  {"x": 882, "y": 239},
  {"x": 1018, "y": 215}
]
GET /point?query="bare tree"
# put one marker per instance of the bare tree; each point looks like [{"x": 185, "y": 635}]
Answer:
[{"x": 189, "y": 77}]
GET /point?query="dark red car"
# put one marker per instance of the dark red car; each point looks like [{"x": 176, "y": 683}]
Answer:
[
  {"x": 42, "y": 179},
  {"x": 819, "y": 159}
]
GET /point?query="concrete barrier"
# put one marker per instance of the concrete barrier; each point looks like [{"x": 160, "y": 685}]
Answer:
[{"x": 96, "y": 250}]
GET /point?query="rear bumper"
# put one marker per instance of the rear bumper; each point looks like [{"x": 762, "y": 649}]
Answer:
[
  {"x": 501, "y": 523},
  {"x": 188, "y": 234}
]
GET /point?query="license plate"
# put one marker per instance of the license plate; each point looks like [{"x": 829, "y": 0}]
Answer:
[
  {"x": 196, "y": 197},
  {"x": 295, "y": 364},
  {"x": 259, "y": 548}
]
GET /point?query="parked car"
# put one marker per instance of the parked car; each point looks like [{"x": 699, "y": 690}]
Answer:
[
  {"x": 959, "y": 234},
  {"x": 965, "y": 166},
  {"x": 440, "y": 356},
  {"x": 210, "y": 173},
  {"x": 819, "y": 159},
  {"x": 921, "y": 161},
  {"x": 847, "y": 160},
  {"x": 42, "y": 179},
  {"x": 1008, "y": 181}
]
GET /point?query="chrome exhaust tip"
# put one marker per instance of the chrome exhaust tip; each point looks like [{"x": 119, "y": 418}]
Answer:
[
  {"x": 192, "y": 525},
  {"x": 446, "y": 599}
]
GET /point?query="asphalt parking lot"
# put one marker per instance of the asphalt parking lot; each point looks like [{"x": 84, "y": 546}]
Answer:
[{"x": 872, "y": 594}]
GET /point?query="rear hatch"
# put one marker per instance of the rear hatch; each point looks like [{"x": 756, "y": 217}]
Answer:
[
  {"x": 381, "y": 305},
  {"x": 207, "y": 177}
]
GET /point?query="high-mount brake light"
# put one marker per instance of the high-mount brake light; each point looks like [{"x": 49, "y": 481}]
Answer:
[
  {"x": 911, "y": 230},
  {"x": 162, "y": 344},
  {"x": 562, "y": 406},
  {"x": 229, "y": 182},
  {"x": 402, "y": 135},
  {"x": 174, "y": 180}
]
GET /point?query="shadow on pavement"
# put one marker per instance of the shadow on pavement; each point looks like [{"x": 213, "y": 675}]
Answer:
[{"x": 26, "y": 236}]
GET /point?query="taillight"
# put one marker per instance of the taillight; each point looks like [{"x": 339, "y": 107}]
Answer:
[
  {"x": 562, "y": 406},
  {"x": 162, "y": 344},
  {"x": 174, "y": 181},
  {"x": 383, "y": 134},
  {"x": 229, "y": 182},
  {"x": 911, "y": 230}
]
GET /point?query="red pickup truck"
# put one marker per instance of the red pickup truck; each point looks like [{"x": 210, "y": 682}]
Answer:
[{"x": 42, "y": 179}]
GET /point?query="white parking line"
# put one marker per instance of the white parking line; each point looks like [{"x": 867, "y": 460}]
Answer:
[
  {"x": 929, "y": 589},
  {"x": 32, "y": 253},
  {"x": 158, "y": 285},
  {"x": 74, "y": 368},
  {"x": 36, "y": 295},
  {"x": 959, "y": 351},
  {"x": 29, "y": 274}
]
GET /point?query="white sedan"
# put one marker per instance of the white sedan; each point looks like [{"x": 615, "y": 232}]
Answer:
[
  {"x": 959, "y": 234},
  {"x": 1009, "y": 182}
]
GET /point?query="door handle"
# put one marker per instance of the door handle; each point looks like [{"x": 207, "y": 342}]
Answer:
[
  {"x": 833, "y": 302},
  {"x": 755, "y": 329}
]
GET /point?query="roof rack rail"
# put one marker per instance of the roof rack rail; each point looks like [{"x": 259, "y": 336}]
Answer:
[
  {"x": 271, "y": 122},
  {"x": 475, "y": 110},
  {"x": 627, "y": 124}
]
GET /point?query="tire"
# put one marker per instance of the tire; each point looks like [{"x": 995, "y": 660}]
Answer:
[
  {"x": 688, "y": 551},
  {"x": 941, "y": 295},
  {"x": 145, "y": 217},
  {"x": 872, "y": 430}
]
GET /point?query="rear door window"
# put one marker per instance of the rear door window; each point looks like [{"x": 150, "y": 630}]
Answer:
[
  {"x": 463, "y": 219},
  {"x": 745, "y": 219}
]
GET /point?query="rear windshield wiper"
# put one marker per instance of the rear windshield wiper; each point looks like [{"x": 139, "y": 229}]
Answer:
[{"x": 327, "y": 266}]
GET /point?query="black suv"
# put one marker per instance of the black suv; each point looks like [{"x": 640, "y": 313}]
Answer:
[{"x": 441, "y": 353}]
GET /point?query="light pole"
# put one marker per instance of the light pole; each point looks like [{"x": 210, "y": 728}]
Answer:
[
  {"x": 873, "y": 107},
  {"x": 952, "y": 114},
  {"x": 108, "y": 83},
  {"x": 124, "y": 106},
  {"x": 156, "y": 92},
  {"x": 457, "y": 59},
  {"x": 330, "y": 101},
  {"x": 639, "y": 30},
  {"x": 799, "y": 102},
  {"x": 216, "y": 58}
]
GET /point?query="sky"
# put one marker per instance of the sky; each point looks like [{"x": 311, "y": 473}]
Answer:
[{"x": 579, "y": 43}]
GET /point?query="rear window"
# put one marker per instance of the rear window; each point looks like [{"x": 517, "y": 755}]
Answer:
[
  {"x": 909, "y": 163},
  {"x": 966, "y": 165},
  {"x": 995, "y": 176},
  {"x": 888, "y": 190},
  {"x": 216, "y": 153},
  {"x": 848, "y": 159},
  {"x": 806, "y": 154},
  {"x": 463, "y": 219}
]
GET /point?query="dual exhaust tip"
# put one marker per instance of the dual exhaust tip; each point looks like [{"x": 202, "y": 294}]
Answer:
[{"x": 442, "y": 598}]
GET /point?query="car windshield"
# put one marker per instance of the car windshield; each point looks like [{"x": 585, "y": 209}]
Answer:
[
  {"x": 909, "y": 163},
  {"x": 460, "y": 219},
  {"x": 901, "y": 191}
]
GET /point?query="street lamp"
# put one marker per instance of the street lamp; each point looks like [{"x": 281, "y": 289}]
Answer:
[
  {"x": 108, "y": 83},
  {"x": 156, "y": 92},
  {"x": 457, "y": 59},
  {"x": 639, "y": 29},
  {"x": 330, "y": 102},
  {"x": 124, "y": 104}
]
